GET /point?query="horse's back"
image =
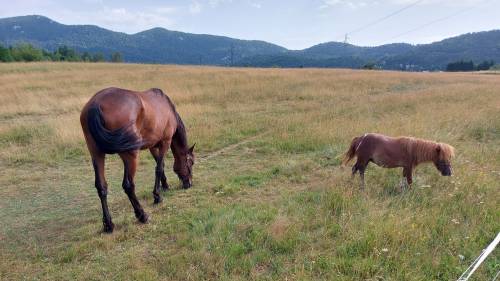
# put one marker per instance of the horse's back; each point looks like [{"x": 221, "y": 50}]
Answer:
[{"x": 119, "y": 107}]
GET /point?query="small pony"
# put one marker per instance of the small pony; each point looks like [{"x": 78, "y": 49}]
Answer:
[{"x": 405, "y": 152}]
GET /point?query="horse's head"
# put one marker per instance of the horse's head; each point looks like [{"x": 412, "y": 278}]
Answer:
[
  {"x": 442, "y": 161},
  {"x": 183, "y": 167}
]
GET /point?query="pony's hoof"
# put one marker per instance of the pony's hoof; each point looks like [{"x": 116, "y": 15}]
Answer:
[
  {"x": 158, "y": 200},
  {"x": 144, "y": 218},
  {"x": 165, "y": 187},
  {"x": 108, "y": 228}
]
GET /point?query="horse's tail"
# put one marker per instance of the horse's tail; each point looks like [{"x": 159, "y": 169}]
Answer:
[
  {"x": 119, "y": 140},
  {"x": 351, "y": 152}
]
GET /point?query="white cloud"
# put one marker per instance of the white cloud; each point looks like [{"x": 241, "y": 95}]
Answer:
[
  {"x": 195, "y": 7},
  {"x": 255, "y": 4},
  {"x": 119, "y": 19},
  {"x": 353, "y": 4},
  {"x": 215, "y": 3}
]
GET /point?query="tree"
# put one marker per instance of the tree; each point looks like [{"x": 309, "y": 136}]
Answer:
[
  {"x": 370, "y": 66},
  {"x": 5, "y": 55},
  {"x": 116, "y": 57},
  {"x": 485, "y": 65},
  {"x": 64, "y": 53},
  {"x": 97, "y": 57},
  {"x": 86, "y": 57},
  {"x": 460, "y": 66},
  {"x": 26, "y": 52}
]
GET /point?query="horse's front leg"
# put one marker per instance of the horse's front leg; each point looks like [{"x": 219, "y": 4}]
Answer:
[
  {"x": 130, "y": 166},
  {"x": 159, "y": 155}
]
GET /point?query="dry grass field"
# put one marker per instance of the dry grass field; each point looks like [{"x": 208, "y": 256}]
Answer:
[{"x": 270, "y": 200}]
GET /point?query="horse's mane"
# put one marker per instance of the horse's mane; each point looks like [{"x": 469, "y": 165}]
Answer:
[
  {"x": 180, "y": 136},
  {"x": 421, "y": 150}
]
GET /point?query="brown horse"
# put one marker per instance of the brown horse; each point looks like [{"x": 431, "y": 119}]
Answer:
[
  {"x": 405, "y": 152},
  {"x": 124, "y": 122}
]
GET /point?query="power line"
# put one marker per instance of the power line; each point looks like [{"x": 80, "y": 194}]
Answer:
[
  {"x": 437, "y": 20},
  {"x": 384, "y": 17}
]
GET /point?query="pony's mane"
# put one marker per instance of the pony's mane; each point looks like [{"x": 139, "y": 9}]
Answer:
[
  {"x": 180, "y": 136},
  {"x": 425, "y": 150}
]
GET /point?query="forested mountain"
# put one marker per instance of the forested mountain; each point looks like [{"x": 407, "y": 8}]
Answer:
[
  {"x": 156, "y": 45},
  {"x": 160, "y": 45}
]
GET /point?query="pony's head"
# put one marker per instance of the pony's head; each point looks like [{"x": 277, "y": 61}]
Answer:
[
  {"x": 183, "y": 167},
  {"x": 442, "y": 159}
]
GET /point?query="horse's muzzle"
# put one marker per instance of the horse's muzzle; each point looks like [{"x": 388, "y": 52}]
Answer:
[{"x": 186, "y": 184}]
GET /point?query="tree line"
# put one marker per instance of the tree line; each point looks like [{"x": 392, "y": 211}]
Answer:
[
  {"x": 463, "y": 65},
  {"x": 28, "y": 53}
]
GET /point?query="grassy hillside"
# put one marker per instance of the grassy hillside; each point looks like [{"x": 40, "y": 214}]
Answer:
[{"x": 269, "y": 201}]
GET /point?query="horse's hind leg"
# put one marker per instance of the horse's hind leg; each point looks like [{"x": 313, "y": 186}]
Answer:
[
  {"x": 130, "y": 166},
  {"x": 102, "y": 189}
]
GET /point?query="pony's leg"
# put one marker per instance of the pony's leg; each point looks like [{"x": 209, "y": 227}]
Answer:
[
  {"x": 362, "y": 176},
  {"x": 102, "y": 190},
  {"x": 361, "y": 167},
  {"x": 130, "y": 166},
  {"x": 354, "y": 170},
  {"x": 407, "y": 173}
]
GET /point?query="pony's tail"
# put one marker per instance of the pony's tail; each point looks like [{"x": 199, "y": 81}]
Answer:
[
  {"x": 351, "y": 152},
  {"x": 119, "y": 140}
]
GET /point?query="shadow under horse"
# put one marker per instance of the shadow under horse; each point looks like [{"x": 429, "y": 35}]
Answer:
[
  {"x": 405, "y": 152},
  {"x": 121, "y": 121}
]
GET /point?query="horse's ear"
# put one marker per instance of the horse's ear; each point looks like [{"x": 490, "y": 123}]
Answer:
[
  {"x": 191, "y": 149},
  {"x": 438, "y": 149}
]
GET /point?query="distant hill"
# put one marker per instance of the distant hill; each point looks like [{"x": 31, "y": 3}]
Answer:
[
  {"x": 156, "y": 45},
  {"x": 160, "y": 45},
  {"x": 477, "y": 47}
]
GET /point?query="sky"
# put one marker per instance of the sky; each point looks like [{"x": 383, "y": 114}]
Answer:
[{"x": 294, "y": 24}]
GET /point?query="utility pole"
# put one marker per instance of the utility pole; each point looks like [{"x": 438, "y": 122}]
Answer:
[{"x": 346, "y": 38}]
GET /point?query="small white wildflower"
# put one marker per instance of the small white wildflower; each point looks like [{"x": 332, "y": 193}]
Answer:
[
  {"x": 385, "y": 250},
  {"x": 455, "y": 221},
  {"x": 461, "y": 257}
]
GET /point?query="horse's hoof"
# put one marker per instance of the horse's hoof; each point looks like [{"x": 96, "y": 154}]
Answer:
[
  {"x": 165, "y": 187},
  {"x": 108, "y": 228},
  {"x": 143, "y": 218},
  {"x": 158, "y": 200}
]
